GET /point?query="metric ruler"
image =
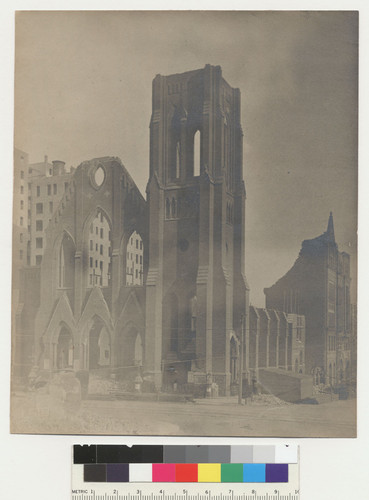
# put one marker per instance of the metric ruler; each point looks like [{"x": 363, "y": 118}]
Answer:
[{"x": 185, "y": 492}]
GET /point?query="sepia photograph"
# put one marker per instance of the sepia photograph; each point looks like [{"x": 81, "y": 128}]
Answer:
[{"x": 185, "y": 223}]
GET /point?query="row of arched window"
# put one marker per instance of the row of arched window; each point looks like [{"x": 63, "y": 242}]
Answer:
[
  {"x": 181, "y": 207},
  {"x": 99, "y": 257},
  {"x": 96, "y": 349},
  {"x": 175, "y": 168}
]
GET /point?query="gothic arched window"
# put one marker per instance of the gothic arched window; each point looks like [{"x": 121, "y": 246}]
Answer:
[
  {"x": 167, "y": 208},
  {"x": 174, "y": 208},
  {"x": 99, "y": 258},
  {"x": 178, "y": 160},
  {"x": 66, "y": 263},
  {"x": 196, "y": 153},
  {"x": 134, "y": 260},
  {"x": 64, "y": 349}
]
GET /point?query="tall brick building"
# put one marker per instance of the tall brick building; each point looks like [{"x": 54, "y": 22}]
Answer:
[
  {"x": 38, "y": 189},
  {"x": 318, "y": 286}
]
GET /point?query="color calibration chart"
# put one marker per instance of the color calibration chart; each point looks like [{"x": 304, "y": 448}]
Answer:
[{"x": 153, "y": 472}]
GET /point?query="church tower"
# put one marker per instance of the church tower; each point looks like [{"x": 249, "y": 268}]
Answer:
[{"x": 196, "y": 290}]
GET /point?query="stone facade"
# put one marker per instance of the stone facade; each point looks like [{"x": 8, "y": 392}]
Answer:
[
  {"x": 158, "y": 284},
  {"x": 276, "y": 340},
  {"x": 89, "y": 318},
  {"x": 196, "y": 290}
]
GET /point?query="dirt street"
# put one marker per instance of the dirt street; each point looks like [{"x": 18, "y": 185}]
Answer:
[{"x": 213, "y": 417}]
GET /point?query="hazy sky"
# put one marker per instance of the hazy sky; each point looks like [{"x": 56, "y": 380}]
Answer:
[{"x": 83, "y": 90}]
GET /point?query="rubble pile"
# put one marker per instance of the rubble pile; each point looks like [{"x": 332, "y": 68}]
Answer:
[{"x": 268, "y": 400}]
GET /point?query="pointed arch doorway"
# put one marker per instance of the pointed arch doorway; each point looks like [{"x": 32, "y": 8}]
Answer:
[
  {"x": 64, "y": 349},
  {"x": 130, "y": 352},
  {"x": 98, "y": 345}
]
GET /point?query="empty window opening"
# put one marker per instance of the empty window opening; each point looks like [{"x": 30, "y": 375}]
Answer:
[
  {"x": 167, "y": 208},
  {"x": 174, "y": 208},
  {"x": 196, "y": 153},
  {"x": 134, "y": 261},
  {"x": 66, "y": 263},
  {"x": 178, "y": 160},
  {"x": 100, "y": 250},
  {"x": 64, "y": 349}
]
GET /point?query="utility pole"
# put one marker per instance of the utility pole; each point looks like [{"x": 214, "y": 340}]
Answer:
[{"x": 241, "y": 362}]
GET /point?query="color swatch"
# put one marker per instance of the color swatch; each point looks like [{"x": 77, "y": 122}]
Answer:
[
  {"x": 95, "y": 454},
  {"x": 186, "y": 473},
  {"x": 185, "y": 464}
]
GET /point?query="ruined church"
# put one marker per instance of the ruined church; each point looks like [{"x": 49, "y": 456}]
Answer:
[
  {"x": 111, "y": 282},
  {"x": 156, "y": 286}
]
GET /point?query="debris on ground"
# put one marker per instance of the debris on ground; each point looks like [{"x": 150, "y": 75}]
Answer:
[
  {"x": 268, "y": 400},
  {"x": 103, "y": 386}
]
